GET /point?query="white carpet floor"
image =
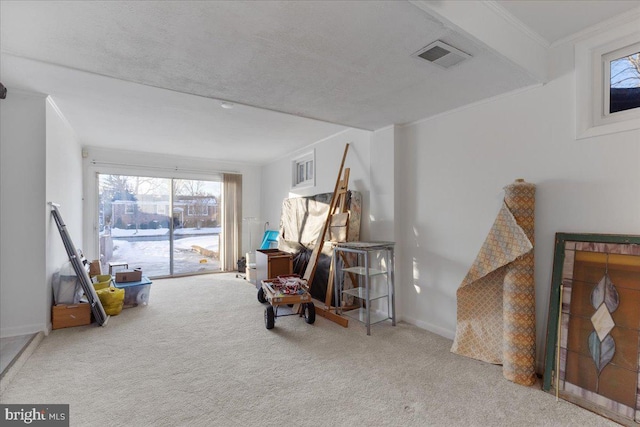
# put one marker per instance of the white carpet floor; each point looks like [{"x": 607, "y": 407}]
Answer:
[{"x": 199, "y": 355}]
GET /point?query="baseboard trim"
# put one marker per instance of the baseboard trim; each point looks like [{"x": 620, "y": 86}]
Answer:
[
  {"x": 439, "y": 330},
  {"x": 20, "y": 360},
  {"x": 21, "y": 330},
  {"x": 443, "y": 332}
]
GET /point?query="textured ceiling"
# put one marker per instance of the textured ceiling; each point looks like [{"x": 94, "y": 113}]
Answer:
[
  {"x": 107, "y": 112},
  {"x": 150, "y": 75},
  {"x": 343, "y": 62}
]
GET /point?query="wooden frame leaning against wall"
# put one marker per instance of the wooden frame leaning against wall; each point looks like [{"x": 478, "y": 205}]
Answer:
[{"x": 592, "y": 355}]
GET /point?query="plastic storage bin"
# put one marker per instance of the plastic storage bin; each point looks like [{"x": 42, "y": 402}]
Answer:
[{"x": 135, "y": 293}]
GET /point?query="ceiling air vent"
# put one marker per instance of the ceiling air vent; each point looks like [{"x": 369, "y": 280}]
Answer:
[{"x": 441, "y": 54}]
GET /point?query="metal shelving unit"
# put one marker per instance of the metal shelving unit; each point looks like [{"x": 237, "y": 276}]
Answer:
[{"x": 367, "y": 255}]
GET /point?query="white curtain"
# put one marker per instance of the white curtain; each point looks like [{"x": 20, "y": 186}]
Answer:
[{"x": 231, "y": 220}]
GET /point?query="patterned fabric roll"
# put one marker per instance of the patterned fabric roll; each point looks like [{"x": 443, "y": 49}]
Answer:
[
  {"x": 519, "y": 305},
  {"x": 496, "y": 300}
]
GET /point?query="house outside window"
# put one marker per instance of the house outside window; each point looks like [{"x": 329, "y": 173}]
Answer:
[
  {"x": 202, "y": 210},
  {"x": 197, "y": 210}
]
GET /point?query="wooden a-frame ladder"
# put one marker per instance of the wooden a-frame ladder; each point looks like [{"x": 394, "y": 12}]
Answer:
[{"x": 337, "y": 225}]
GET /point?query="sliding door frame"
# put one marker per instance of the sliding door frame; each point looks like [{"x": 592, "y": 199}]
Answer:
[{"x": 95, "y": 170}]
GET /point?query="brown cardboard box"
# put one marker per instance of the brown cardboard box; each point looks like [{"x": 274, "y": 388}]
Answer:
[
  {"x": 67, "y": 315},
  {"x": 129, "y": 276},
  {"x": 95, "y": 268}
]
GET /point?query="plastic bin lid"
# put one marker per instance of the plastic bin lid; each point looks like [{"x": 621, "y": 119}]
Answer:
[{"x": 144, "y": 281}]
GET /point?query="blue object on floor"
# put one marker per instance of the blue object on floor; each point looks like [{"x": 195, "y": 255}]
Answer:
[{"x": 270, "y": 237}]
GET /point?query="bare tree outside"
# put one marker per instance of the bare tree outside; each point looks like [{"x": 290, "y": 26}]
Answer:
[
  {"x": 625, "y": 71},
  {"x": 624, "y": 83}
]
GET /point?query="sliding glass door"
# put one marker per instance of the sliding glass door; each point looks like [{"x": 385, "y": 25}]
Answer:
[
  {"x": 196, "y": 234},
  {"x": 164, "y": 226}
]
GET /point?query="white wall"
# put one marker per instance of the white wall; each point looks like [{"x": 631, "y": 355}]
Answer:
[
  {"x": 382, "y": 208},
  {"x": 63, "y": 186},
  {"x": 276, "y": 176},
  {"x": 22, "y": 214},
  {"x": 147, "y": 164},
  {"x": 452, "y": 169}
]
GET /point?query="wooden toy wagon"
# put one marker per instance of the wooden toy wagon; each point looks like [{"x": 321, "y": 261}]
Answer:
[{"x": 288, "y": 290}]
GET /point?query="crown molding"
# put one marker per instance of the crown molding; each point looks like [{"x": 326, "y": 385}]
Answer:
[
  {"x": 517, "y": 24},
  {"x": 601, "y": 27}
]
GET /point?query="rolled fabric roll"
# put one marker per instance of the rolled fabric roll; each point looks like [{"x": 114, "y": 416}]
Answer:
[
  {"x": 496, "y": 300},
  {"x": 519, "y": 306}
]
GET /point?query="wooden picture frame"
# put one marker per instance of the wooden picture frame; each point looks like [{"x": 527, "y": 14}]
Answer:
[{"x": 599, "y": 276}]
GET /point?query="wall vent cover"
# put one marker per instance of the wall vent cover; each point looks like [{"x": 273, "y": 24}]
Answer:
[{"x": 442, "y": 54}]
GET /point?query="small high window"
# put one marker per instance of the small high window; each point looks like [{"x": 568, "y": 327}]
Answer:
[
  {"x": 303, "y": 171},
  {"x": 607, "y": 67},
  {"x": 622, "y": 80}
]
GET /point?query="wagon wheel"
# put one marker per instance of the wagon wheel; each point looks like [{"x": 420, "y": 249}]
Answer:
[
  {"x": 269, "y": 317},
  {"x": 261, "y": 296},
  {"x": 309, "y": 312}
]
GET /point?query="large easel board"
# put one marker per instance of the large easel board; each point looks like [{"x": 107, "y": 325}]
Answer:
[{"x": 82, "y": 274}]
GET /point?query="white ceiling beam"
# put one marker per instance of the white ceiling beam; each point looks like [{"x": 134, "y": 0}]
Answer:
[{"x": 490, "y": 24}]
